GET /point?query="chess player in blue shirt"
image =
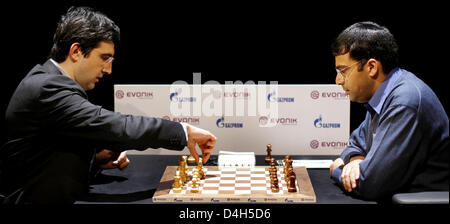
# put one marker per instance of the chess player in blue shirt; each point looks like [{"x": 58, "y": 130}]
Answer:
[{"x": 403, "y": 143}]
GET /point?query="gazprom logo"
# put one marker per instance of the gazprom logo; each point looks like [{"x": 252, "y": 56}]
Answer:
[
  {"x": 175, "y": 98},
  {"x": 272, "y": 97},
  {"x": 319, "y": 124},
  {"x": 221, "y": 124}
]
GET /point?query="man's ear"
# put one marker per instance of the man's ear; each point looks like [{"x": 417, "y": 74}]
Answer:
[
  {"x": 373, "y": 67},
  {"x": 75, "y": 53}
]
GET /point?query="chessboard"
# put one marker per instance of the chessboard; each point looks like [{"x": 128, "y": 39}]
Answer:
[{"x": 235, "y": 185}]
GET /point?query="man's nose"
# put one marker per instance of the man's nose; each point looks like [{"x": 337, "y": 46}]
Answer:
[
  {"x": 339, "y": 80},
  {"x": 107, "y": 69}
]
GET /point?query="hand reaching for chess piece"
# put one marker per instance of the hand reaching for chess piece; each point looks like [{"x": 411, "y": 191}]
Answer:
[{"x": 204, "y": 139}]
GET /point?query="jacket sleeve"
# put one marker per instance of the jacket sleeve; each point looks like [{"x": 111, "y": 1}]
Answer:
[
  {"x": 357, "y": 142},
  {"x": 64, "y": 105},
  {"x": 394, "y": 155},
  {"x": 357, "y": 146}
]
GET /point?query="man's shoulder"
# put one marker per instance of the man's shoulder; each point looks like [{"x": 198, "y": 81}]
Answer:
[
  {"x": 410, "y": 91},
  {"x": 44, "y": 78}
]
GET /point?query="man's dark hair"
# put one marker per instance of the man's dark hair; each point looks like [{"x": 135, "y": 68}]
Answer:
[
  {"x": 85, "y": 26},
  {"x": 366, "y": 40}
]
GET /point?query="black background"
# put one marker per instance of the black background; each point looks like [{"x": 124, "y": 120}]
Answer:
[{"x": 288, "y": 43}]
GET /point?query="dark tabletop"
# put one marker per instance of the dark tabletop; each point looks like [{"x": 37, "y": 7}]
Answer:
[{"x": 139, "y": 181}]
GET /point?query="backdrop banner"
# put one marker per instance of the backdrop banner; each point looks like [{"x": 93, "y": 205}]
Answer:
[{"x": 294, "y": 119}]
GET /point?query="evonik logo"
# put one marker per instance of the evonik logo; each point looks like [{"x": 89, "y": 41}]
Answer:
[
  {"x": 314, "y": 144},
  {"x": 134, "y": 94},
  {"x": 333, "y": 95}
]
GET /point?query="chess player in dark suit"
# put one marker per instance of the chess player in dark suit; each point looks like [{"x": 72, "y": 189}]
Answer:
[{"x": 57, "y": 138}]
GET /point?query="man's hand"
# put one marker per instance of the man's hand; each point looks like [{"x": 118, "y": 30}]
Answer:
[
  {"x": 108, "y": 159},
  {"x": 205, "y": 140},
  {"x": 338, "y": 162},
  {"x": 350, "y": 173}
]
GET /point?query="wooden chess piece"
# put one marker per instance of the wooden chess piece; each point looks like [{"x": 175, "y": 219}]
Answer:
[
  {"x": 274, "y": 176},
  {"x": 275, "y": 182},
  {"x": 196, "y": 176},
  {"x": 182, "y": 170},
  {"x": 287, "y": 160},
  {"x": 289, "y": 172},
  {"x": 291, "y": 181},
  {"x": 272, "y": 162},
  {"x": 176, "y": 184},
  {"x": 201, "y": 171},
  {"x": 194, "y": 187},
  {"x": 191, "y": 159},
  {"x": 287, "y": 164},
  {"x": 269, "y": 154},
  {"x": 274, "y": 186}
]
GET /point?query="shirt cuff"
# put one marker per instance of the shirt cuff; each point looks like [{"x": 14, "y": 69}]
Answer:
[
  {"x": 349, "y": 155},
  {"x": 336, "y": 174},
  {"x": 185, "y": 129}
]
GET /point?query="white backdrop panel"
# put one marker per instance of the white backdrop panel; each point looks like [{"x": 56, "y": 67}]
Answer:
[{"x": 312, "y": 119}]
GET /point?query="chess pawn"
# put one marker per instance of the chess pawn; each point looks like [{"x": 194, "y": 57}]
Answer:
[
  {"x": 194, "y": 187},
  {"x": 194, "y": 172},
  {"x": 201, "y": 174},
  {"x": 200, "y": 169},
  {"x": 269, "y": 154},
  {"x": 191, "y": 159},
  {"x": 196, "y": 176},
  {"x": 176, "y": 184}
]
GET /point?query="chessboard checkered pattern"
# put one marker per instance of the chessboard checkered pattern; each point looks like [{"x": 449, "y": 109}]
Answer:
[{"x": 237, "y": 181}]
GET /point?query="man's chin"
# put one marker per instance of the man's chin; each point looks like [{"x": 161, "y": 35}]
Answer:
[{"x": 90, "y": 87}]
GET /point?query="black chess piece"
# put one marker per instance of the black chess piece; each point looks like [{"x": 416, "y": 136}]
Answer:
[
  {"x": 291, "y": 181},
  {"x": 269, "y": 154}
]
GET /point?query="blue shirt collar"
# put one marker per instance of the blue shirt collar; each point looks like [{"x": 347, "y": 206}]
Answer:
[{"x": 376, "y": 102}]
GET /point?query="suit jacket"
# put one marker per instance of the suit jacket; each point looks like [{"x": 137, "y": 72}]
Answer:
[{"x": 50, "y": 112}]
